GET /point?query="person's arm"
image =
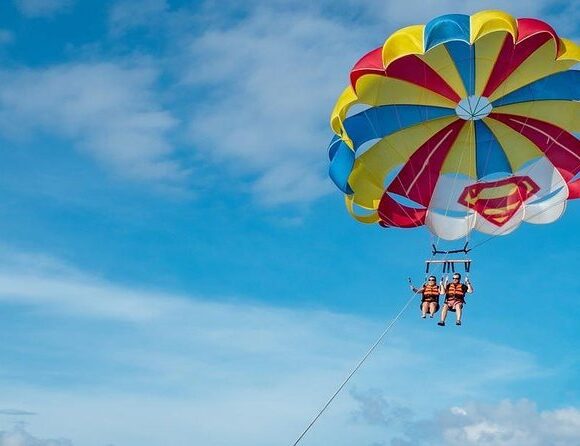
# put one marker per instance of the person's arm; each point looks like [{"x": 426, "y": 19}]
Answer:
[
  {"x": 444, "y": 283},
  {"x": 442, "y": 286},
  {"x": 469, "y": 286},
  {"x": 415, "y": 290}
]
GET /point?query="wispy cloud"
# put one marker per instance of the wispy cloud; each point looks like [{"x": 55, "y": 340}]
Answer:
[
  {"x": 508, "y": 423},
  {"x": 260, "y": 81},
  {"x": 107, "y": 110},
  {"x": 20, "y": 437},
  {"x": 216, "y": 362},
  {"x": 16, "y": 412},
  {"x": 43, "y": 8},
  {"x": 56, "y": 287},
  {"x": 268, "y": 84},
  {"x": 125, "y": 16},
  {"x": 373, "y": 408}
]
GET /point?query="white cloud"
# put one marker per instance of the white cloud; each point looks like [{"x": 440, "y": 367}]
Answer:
[
  {"x": 127, "y": 14},
  {"x": 175, "y": 369},
  {"x": 375, "y": 409},
  {"x": 508, "y": 423},
  {"x": 264, "y": 77},
  {"x": 107, "y": 110},
  {"x": 268, "y": 85},
  {"x": 56, "y": 287},
  {"x": 20, "y": 437},
  {"x": 43, "y": 8}
]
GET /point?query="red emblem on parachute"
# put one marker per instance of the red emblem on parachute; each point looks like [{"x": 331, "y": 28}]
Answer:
[{"x": 498, "y": 201}]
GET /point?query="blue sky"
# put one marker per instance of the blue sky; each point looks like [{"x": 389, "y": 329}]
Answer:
[{"x": 176, "y": 267}]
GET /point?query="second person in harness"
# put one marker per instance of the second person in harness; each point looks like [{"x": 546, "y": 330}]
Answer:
[{"x": 455, "y": 298}]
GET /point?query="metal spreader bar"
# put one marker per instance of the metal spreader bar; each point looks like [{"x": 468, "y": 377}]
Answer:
[
  {"x": 464, "y": 250},
  {"x": 448, "y": 265}
]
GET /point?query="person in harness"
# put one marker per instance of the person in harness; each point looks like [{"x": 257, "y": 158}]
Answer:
[
  {"x": 430, "y": 292},
  {"x": 455, "y": 298}
]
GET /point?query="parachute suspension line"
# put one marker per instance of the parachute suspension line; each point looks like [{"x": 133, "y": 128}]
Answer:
[
  {"x": 358, "y": 366},
  {"x": 455, "y": 177},
  {"x": 400, "y": 122},
  {"x": 563, "y": 181},
  {"x": 396, "y": 149},
  {"x": 437, "y": 238},
  {"x": 496, "y": 234},
  {"x": 472, "y": 162}
]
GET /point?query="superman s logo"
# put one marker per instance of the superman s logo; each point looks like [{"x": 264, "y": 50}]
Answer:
[{"x": 498, "y": 201}]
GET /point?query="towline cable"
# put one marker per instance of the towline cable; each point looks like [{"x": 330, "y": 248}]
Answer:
[{"x": 359, "y": 364}]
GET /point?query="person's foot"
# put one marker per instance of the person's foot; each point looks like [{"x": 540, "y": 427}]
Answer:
[
  {"x": 431, "y": 316},
  {"x": 441, "y": 323},
  {"x": 423, "y": 316},
  {"x": 458, "y": 323}
]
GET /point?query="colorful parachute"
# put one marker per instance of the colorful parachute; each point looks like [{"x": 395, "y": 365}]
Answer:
[{"x": 465, "y": 123}]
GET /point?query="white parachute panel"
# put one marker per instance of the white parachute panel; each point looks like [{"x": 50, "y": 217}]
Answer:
[{"x": 449, "y": 228}]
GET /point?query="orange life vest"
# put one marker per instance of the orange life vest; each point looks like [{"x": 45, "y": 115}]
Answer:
[
  {"x": 455, "y": 291},
  {"x": 430, "y": 292}
]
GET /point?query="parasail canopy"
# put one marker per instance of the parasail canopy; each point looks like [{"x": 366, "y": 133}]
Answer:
[{"x": 467, "y": 122}]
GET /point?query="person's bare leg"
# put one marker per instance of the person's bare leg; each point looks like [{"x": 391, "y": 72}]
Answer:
[
  {"x": 459, "y": 308},
  {"x": 432, "y": 307},
  {"x": 443, "y": 315},
  {"x": 424, "y": 308}
]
